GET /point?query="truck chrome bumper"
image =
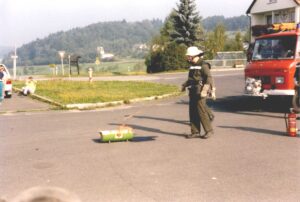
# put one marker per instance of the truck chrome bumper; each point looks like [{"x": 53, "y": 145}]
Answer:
[
  {"x": 279, "y": 92},
  {"x": 253, "y": 87},
  {"x": 267, "y": 93}
]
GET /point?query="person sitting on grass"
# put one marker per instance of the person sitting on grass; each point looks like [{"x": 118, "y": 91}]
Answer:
[{"x": 30, "y": 86}]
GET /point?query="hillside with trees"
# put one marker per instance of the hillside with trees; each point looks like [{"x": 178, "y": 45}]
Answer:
[
  {"x": 239, "y": 23},
  {"x": 124, "y": 39},
  {"x": 120, "y": 38}
]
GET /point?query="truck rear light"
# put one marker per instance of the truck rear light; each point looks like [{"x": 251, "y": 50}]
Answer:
[
  {"x": 279, "y": 80},
  {"x": 8, "y": 82}
]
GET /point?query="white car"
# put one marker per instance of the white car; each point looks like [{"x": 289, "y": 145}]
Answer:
[{"x": 7, "y": 82}]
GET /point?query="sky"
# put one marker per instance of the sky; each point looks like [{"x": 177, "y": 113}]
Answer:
[{"x": 23, "y": 21}]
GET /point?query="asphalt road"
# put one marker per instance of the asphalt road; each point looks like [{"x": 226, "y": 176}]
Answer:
[{"x": 249, "y": 158}]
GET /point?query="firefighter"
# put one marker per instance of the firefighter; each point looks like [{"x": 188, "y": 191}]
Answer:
[{"x": 199, "y": 83}]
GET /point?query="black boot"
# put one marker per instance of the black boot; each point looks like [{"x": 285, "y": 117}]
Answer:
[
  {"x": 192, "y": 135},
  {"x": 207, "y": 134}
]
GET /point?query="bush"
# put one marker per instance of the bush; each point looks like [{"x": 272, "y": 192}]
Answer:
[
  {"x": 172, "y": 57},
  {"x": 154, "y": 61}
]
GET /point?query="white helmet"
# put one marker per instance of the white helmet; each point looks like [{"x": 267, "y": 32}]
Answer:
[{"x": 193, "y": 51}]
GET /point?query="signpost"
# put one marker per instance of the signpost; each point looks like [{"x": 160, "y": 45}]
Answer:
[
  {"x": 14, "y": 57},
  {"x": 62, "y": 54}
]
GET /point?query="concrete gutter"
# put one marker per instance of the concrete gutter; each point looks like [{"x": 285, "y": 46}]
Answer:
[
  {"x": 41, "y": 98},
  {"x": 115, "y": 103}
]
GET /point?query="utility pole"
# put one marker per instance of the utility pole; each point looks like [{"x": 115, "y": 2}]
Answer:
[
  {"x": 69, "y": 57},
  {"x": 14, "y": 57},
  {"x": 62, "y": 54}
]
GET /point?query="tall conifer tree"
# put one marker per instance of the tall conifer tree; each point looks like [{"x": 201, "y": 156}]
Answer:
[{"x": 186, "y": 23}]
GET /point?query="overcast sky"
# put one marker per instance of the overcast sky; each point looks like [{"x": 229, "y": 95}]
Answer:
[{"x": 22, "y": 21}]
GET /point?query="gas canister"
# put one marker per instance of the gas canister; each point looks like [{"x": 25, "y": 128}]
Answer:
[{"x": 124, "y": 133}]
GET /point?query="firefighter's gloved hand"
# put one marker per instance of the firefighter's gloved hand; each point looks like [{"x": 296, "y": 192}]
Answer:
[
  {"x": 205, "y": 90},
  {"x": 213, "y": 93},
  {"x": 182, "y": 88}
]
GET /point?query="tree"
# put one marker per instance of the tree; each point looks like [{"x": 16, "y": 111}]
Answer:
[
  {"x": 165, "y": 54},
  {"x": 238, "y": 41},
  {"x": 215, "y": 41},
  {"x": 174, "y": 57},
  {"x": 247, "y": 36},
  {"x": 169, "y": 57},
  {"x": 154, "y": 62},
  {"x": 186, "y": 22},
  {"x": 234, "y": 44},
  {"x": 220, "y": 37},
  {"x": 167, "y": 29}
]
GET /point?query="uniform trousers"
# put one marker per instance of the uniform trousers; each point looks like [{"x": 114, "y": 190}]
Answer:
[{"x": 199, "y": 114}]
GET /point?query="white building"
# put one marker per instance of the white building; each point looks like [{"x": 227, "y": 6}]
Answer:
[
  {"x": 105, "y": 56},
  {"x": 267, "y": 12}
]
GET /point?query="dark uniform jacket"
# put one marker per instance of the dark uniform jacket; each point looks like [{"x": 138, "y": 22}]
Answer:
[{"x": 199, "y": 74}]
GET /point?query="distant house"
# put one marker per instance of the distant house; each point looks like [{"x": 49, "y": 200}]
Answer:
[
  {"x": 268, "y": 12},
  {"x": 105, "y": 56},
  {"x": 140, "y": 46}
]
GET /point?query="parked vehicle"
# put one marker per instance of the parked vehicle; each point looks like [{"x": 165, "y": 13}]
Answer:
[
  {"x": 273, "y": 68},
  {"x": 7, "y": 83}
]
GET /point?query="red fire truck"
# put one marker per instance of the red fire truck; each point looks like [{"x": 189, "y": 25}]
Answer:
[{"x": 272, "y": 69}]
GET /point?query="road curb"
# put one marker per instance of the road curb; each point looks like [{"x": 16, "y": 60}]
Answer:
[
  {"x": 41, "y": 98},
  {"x": 84, "y": 106}
]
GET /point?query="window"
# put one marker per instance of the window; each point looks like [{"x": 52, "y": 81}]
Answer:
[
  {"x": 269, "y": 19},
  {"x": 284, "y": 16},
  {"x": 292, "y": 16},
  {"x": 277, "y": 18},
  {"x": 274, "y": 48}
]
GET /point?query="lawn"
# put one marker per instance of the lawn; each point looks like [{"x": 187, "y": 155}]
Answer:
[{"x": 72, "y": 92}]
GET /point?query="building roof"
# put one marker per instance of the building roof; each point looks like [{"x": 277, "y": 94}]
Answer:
[
  {"x": 254, "y": 1},
  {"x": 249, "y": 9}
]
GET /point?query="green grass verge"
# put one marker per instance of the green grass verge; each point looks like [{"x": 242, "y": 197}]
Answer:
[{"x": 72, "y": 92}]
